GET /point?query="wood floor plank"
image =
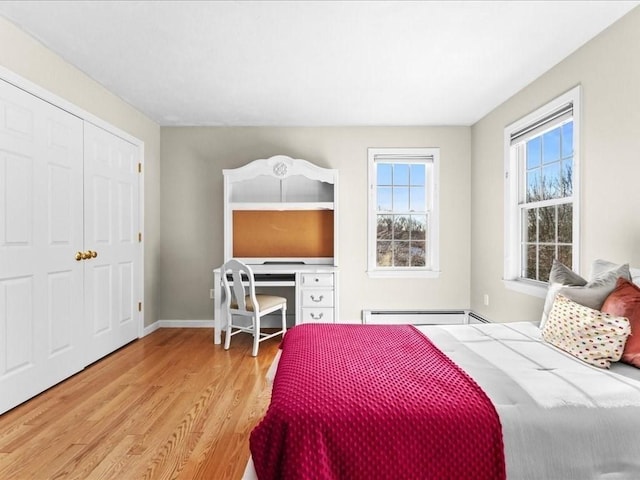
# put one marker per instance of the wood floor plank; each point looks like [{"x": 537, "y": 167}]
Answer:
[{"x": 168, "y": 406}]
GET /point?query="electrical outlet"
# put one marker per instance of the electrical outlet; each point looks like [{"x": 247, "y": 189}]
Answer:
[
  {"x": 211, "y": 293},
  {"x": 485, "y": 298}
]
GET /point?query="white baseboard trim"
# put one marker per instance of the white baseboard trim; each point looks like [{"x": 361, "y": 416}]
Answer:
[
  {"x": 177, "y": 324},
  {"x": 470, "y": 314}
]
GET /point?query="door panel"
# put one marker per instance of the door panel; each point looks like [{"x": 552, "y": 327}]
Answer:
[
  {"x": 41, "y": 170},
  {"x": 111, "y": 226}
]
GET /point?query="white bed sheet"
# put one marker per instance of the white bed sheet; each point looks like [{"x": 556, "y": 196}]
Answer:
[{"x": 562, "y": 419}]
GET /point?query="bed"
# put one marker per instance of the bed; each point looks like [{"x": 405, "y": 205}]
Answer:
[{"x": 559, "y": 417}]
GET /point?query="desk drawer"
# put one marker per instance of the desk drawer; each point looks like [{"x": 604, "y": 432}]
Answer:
[
  {"x": 317, "y": 298},
  {"x": 317, "y": 315},
  {"x": 317, "y": 279}
]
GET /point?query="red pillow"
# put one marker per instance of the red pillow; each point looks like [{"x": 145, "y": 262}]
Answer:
[{"x": 624, "y": 301}]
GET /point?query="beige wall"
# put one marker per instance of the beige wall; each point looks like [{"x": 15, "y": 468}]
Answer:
[
  {"x": 28, "y": 58},
  {"x": 192, "y": 211},
  {"x": 608, "y": 68}
]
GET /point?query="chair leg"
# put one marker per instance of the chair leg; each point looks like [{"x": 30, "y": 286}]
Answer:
[
  {"x": 284, "y": 320},
  {"x": 227, "y": 337},
  {"x": 256, "y": 335}
]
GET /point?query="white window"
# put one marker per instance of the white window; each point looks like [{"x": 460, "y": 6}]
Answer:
[
  {"x": 541, "y": 193},
  {"x": 403, "y": 212}
]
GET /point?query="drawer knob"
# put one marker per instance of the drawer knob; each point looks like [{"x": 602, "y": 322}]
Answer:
[
  {"x": 317, "y": 299},
  {"x": 317, "y": 279},
  {"x": 318, "y": 316}
]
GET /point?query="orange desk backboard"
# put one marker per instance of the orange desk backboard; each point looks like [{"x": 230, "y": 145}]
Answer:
[{"x": 282, "y": 233}]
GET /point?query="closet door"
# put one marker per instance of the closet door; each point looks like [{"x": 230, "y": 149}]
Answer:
[
  {"x": 111, "y": 230},
  {"x": 41, "y": 289}
]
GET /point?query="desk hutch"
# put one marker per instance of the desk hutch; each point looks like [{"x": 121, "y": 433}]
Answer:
[{"x": 281, "y": 218}]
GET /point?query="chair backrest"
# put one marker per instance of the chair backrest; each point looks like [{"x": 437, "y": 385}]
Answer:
[{"x": 236, "y": 290}]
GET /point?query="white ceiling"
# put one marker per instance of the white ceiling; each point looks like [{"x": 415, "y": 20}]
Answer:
[{"x": 311, "y": 63}]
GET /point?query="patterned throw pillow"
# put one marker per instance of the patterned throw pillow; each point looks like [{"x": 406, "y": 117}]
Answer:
[
  {"x": 591, "y": 294},
  {"x": 592, "y": 336}
]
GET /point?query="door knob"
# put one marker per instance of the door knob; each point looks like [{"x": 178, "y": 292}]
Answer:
[
  {"x": 79, "y": 256},
  {"x": 92, "y": 254}
]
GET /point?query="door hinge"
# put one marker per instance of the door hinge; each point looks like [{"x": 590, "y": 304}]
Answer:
[
  {"x": 139, "y": 306},
  {"x": 139, "y": 236},
  {"x": 139, "y": 167}
]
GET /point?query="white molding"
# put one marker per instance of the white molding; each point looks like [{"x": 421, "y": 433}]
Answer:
[
  {"x": 185, "y": 323},
  {"x": 150, "y": 329},
  {"x": 526, "y": 287},
  {"x": 40, "y": 92},
  {"x": 400, "y": 273}
]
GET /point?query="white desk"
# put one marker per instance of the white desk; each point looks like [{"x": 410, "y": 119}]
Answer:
[{"x": 316, "y": 292}]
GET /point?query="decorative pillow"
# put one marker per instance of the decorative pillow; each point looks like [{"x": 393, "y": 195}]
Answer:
[
  {"x": 604, "y": 276},
  {"x": 564, "y": 275},
  {"x": 624, "y": 301},
  {"x": 592, "y": 336}
]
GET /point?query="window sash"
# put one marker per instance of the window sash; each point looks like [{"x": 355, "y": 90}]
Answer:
[
  {"x": 555, "y": 113},
  {"x": 404, "y": 156}
]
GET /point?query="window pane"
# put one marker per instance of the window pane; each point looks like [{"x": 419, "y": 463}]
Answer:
[
  {"x": 385, "y": 174},
  {"x": 530, "y": 225},
  {"x": 547, "y": 224},
  {"x": 385, "y": 203},
  {"x": 401, "y": 254},
  {"x": 417, "y": 174},
  {"x": 551, "y": 181},
  {"x": 534, "y": 151},
  {"x": 418, "y": 254},
  {"x": 385, "y": 227},
  {"x": 565, "y": 224},
  {"x": 565, "y": 255},
  {"x": 567, "y": 140},
  {"x": 401, "y": 227},
  {"x": 401, "y": 199},
  {"x": 418, "y": 227},
  {"x": 567, "y": 178},
  {"x": 384, "y": 254},
  {"x": 546, "y": 255},
  {"x": 534, "y": 188},
  {"x": 551, "y": 146},
  {"x": 400, "y": 174},
  {"x": 529, "y": 261},
  {"x": 417, "y": 199}
]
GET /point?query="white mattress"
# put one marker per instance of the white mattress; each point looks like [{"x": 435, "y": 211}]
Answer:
[{"x": 561, "y": 418}]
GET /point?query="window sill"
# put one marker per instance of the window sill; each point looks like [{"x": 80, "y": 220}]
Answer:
[
  {"x": 534, "y": 289},
  {"x": 403, "y": 273}
]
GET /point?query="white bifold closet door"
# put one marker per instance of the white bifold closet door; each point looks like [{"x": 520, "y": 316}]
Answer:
[
  {"x": 65, "y": 188},
  {"x": 110, "y": 229}
]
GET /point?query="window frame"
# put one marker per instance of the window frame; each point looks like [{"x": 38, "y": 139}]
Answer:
[
  {"x": 513, "y": 228},
  {"x": 431, "y": 158}
]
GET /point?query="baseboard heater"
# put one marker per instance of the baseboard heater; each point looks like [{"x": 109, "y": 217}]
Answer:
[{"x": 414, "y": 317}]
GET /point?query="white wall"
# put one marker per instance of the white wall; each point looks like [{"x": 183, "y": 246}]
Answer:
[
  {"x": 28, "y": 58},
  {"x": 608, "y": 68},
  {"x": 192, "y": 210}
]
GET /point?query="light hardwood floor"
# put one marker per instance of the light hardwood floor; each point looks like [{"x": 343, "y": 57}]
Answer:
[{"x": 171, "y": 405}]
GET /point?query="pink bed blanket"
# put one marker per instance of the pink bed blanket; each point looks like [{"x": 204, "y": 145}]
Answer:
[{"x": 374, "y": 402}]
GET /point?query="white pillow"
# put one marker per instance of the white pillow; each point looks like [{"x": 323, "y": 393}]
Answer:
[{"x": 592, "y": 294}]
